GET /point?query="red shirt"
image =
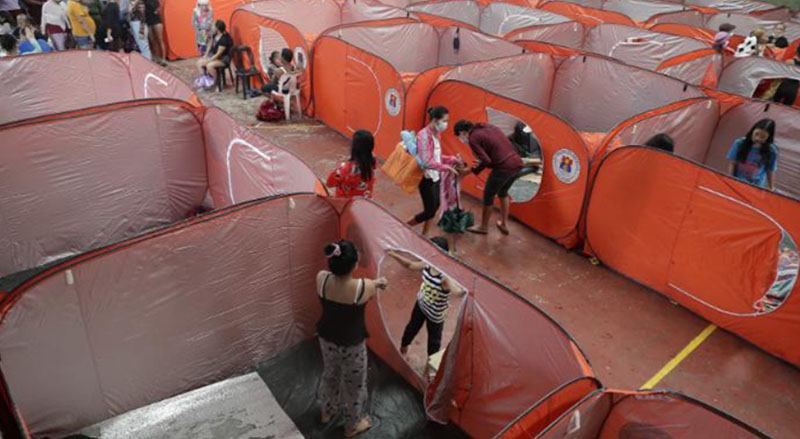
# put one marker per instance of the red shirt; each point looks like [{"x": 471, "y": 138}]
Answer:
[
  {"x": 346, "y": 178},
  {"x": 493, "y": 149}
]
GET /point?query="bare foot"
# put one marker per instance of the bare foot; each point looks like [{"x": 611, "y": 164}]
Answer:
[{"x": 363, "y": 425}]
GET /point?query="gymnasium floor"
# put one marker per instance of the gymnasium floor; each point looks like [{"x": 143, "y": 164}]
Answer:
[{"x": 628, "y": 332}]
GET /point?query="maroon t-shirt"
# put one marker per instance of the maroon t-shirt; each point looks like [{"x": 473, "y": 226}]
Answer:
[{"x": 493, "y": 149}]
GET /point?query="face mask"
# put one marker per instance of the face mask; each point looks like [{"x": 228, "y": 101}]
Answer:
[{"x": 441, "y": 127}]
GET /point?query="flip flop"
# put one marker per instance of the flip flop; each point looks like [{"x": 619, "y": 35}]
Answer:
[
  {"x": 477, "y": 231},
  {"x": 503, "y": 229}
]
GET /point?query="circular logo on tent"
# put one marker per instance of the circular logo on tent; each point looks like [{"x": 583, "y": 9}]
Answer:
[
  {"x": 566, "y": 166},
  {"x": 300, "y": 58},
  {"x": 393, "y": 102}
]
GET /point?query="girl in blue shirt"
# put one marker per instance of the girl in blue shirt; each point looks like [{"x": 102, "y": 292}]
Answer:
[{"x": 754, "y": 158}]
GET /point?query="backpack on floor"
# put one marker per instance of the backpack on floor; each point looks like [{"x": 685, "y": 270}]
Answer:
[{"x": 268, "y": 113}]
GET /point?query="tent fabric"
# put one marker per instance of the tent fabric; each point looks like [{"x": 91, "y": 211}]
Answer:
[
  {"x": 587, "y": 15},
  {"x": 746, "y": 236},
  {"x": 64, "y": 193},
  {"x": 377, "y": 77},
  {"x": 63, "y": 190},
  {"x": 739, "y": 6},
  {"x": 228, "y": 297},
  {"x": 271, "y": 25},
  {"x": 694, "y": 67},
  {"x": 689, "y": 17},
  {"x": 502, "y": 18},
  {"x": 555, "y": 210},
  {"x": 742, "y": 75},
  {"x": 510, "y": 77},
  {"x": 85, "y": 78},
  {"x": 691, "y": 126},
  {"x": 568, "y": 34},
  {"x": 178, "y": 31},
  {"x": 640, "y": 10},
  {"x": 464, "y": 11},
  {"x": 737, "y": 121},
  {"x": 575, "y": 92},
  {"x": 613, "y": 414},
  {"x": 638, "y": 47}
]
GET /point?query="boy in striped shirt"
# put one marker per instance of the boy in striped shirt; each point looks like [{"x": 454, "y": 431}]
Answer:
[{"x": 432, "y": 302}]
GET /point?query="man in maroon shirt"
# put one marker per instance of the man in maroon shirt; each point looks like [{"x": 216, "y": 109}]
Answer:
[{"x": 493, "y": 150}]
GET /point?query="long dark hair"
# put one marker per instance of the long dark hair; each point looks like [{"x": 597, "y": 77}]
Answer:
[
  {"x": 361, "y": 153},
  {"x": 767, "y": 125},
  {"x": 342, "y": 257}
]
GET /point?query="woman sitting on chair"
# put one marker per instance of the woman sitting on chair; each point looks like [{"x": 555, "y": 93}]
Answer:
[
  {"x": 283, "y": 66},
  {"x": 219, "y": 51}
]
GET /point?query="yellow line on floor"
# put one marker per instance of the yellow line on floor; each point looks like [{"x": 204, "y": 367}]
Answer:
[{"x": 676, "y": 360}]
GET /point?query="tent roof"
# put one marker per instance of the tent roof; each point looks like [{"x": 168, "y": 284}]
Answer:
[
  {"x": 640, "y": 10},
  {"x": 86, "y": 78},
  {"x": 402, "y": 45},
  {"x": 637, "y": 46},
  {"x": 465, "y": 11},
  {"x": 742, "y": 75},
  {"x": 502, "y": 18}
]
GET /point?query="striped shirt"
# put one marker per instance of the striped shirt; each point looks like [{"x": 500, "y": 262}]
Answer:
[{"x": 432, "y": 298}]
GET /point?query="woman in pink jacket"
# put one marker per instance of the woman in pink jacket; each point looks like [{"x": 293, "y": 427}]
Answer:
[{"x": 429, "y": 157}]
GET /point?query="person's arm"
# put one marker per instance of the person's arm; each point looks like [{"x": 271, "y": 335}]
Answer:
[
  {"x": 372, "y": 286},
  {"x": 453, "y": 287},
  {"x": 771, "y": 180},
  {"x": 407, "y": 263},
  {"x": 732, "y": 156}
]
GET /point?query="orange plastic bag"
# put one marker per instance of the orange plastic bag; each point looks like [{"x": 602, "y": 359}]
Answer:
[{"x": 403, "y": 169}]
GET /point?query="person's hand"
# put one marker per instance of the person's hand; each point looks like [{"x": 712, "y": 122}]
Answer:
[{"x": 381, "y": 283}]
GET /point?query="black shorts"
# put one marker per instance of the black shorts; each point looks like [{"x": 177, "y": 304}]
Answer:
[{"x": 498, "y": 184}]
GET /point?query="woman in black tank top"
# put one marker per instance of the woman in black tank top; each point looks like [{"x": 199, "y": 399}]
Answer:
[{"x": 342, "y": 334}]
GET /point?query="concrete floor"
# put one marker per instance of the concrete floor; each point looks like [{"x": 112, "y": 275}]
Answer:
[{"x": 628, "y": 332}]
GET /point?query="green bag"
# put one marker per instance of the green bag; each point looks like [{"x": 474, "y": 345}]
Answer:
[{"x": 456, "y": 220}]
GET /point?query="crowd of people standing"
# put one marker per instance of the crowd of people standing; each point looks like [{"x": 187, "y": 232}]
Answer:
[{"x": 113, "y": 25}]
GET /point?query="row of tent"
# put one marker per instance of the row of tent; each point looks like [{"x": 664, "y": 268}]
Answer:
[{"x": 147, "y": 300}]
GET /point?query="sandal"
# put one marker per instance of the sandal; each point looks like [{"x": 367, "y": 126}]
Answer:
[
  {"x": 363, "y": 425},
  {"x": 503, "y": 229}
]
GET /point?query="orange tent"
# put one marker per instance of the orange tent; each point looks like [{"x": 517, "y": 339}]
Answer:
[
  {"x": 652, "y": 216},
  {"x": 86, "y": 78},
  {"x": 218, "y": 314},
  {"x": 271, "y": 25},
  {"x": 684, "y": 58},
  {"x": 179, "y": 35},
  {"x": 379, "y": 77},
  {"x": 571, "y": 110},
  {"x": 65, "y": 192},
  {"x": 614, "y": 414}
]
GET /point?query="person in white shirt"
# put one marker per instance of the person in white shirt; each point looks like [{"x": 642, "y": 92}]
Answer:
[{"x": 55, "y": 23}]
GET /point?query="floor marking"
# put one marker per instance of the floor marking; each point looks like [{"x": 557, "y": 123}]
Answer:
[{"x": 675, "y": 361}]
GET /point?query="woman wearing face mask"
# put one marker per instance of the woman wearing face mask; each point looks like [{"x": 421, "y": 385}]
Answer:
[
  {"x": 754, "y": 158},
  {"x": 429, "y": 157}
]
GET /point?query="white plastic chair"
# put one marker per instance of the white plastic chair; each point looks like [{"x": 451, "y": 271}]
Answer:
[{"x": 289, "y": 82}]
